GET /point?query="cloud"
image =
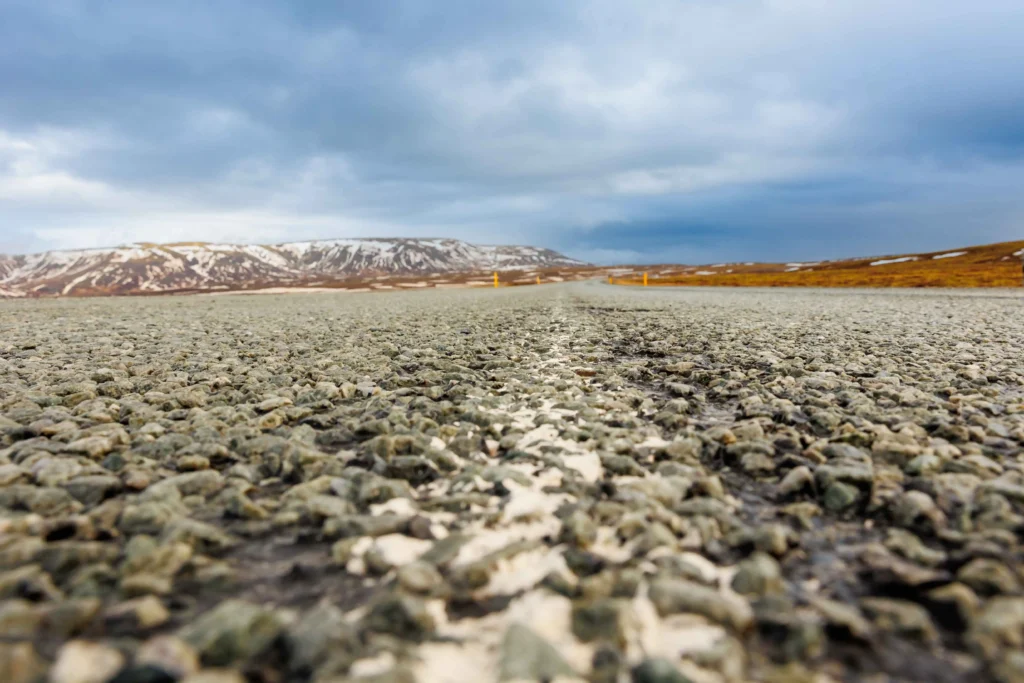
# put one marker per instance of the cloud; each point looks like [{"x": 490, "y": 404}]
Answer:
[
  {"x": 181, "y": 226},
  {"x": 31, "y": 171},
  {"x": 691, "y": 128}
]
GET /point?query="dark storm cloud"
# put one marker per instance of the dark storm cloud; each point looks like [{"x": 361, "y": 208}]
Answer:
[{"x": 615, "y": 131}]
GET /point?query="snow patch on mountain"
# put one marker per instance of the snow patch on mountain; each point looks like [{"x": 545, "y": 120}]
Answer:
[{"x": 886, "y": 262}]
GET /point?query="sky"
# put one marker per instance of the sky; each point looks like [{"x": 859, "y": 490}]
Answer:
[{"x": 647, "y": 131}]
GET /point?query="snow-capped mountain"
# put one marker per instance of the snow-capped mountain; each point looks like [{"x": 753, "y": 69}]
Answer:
[{"x": 203, "y": 266}]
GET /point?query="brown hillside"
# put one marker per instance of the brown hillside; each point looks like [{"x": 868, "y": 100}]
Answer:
[{"x": 991, "y": 265}]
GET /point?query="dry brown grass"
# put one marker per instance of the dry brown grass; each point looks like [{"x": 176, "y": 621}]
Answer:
[{"x": 992, "y": 265}]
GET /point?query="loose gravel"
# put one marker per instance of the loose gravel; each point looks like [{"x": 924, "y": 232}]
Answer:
[{"x": 568, "y": 482}]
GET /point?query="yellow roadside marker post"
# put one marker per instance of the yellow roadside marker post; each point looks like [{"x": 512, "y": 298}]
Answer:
[
  {"x": 645, "y": 279},
  {"x": 538, "y": 279},
  {"x": 495, "y": 279},
  {"x": 610, "y": 280}
]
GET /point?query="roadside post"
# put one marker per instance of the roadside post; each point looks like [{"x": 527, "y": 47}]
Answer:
[
  {"x": 645, "y": 279},
  {"x": 495, "y": 279}
]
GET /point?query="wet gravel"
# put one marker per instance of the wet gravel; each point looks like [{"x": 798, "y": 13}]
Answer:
[{"x": 566, "y": 482}]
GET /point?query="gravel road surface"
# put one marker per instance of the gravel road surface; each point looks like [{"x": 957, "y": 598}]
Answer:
[{"x": 565, "y": 482}]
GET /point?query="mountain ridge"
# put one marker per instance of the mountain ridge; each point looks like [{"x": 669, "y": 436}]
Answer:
[{"x": 148, "y": 267}]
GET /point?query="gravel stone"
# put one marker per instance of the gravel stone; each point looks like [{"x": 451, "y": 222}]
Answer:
[
  {"x": 759, "y": 575},
  {"x": 83, "y": 662},
  {"x": 674, "y": 596},
  {"x": 233, "y": 631},
  {"x": 19, "y": 663},
  {"x": 169, "y": 654},
  {"x": 568, "y": 481},
  {"x": 525, "y": 656},
  {"x": 658, "y": 671},
  {"x": 902, "y": 617}
]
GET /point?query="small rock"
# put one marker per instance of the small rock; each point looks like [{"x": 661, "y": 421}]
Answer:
[
  {"x": 798, "y": 480},
  {"x": 895, "y": 451},
  {"x": 954, "y": 606},
  {"x": 94, "y": 489},
  {"x": 1010, "y": 668},
  {"x": 419, "y": 577},
  {"x": 29, "y": 582},
  {"x": 917, "y": 510},
  {"x": 143, "y": 673},
  {"x": 901, "y": 617},
  {"x": 193, "y": 463},
  {"x": 79, "y": 661},
  {"x": 988, "y": 577},
  {"x": 913, "y": 548},
  {"x": 774, "y": 539},
  {"x": 403, "y": 616},
  {"x": 215, "y": 676},
  {"x": 658, "y": 671},
  {"x": 525, "y": 656},
  {"x": 844, "y": 619},
  {"x": 273, "y": 403},
  {"x": 759, "y": 575},
  {"x": 998, "y": 627},
  {"x": 140, "y": 614},
  {"x": 757, "y": 464},
  {"x": 19, "y": 663},
  {"x": 170, "y": 654},
  {"x": 19, "y": 619},
  {"x": 605, "y": 664},
  {"x": 601, "y": 619},
  {"x": 71, "y": 617},
  {"x": 239, "y": 506},
  {"x": 233, "y": 631},
  {"x": 321, "y": 634},
  {"x": 839, "y": 497},
  {"x": 94, "y": 447},
  {"x": 579, "y": 530},
  {"x": 885, "y": 570},
  {"x": 793, "y": 633},
  {"x": 923, "y": 465},
  {"x": 202, "y": 537},
  {"x": 675, "y": 596}
]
